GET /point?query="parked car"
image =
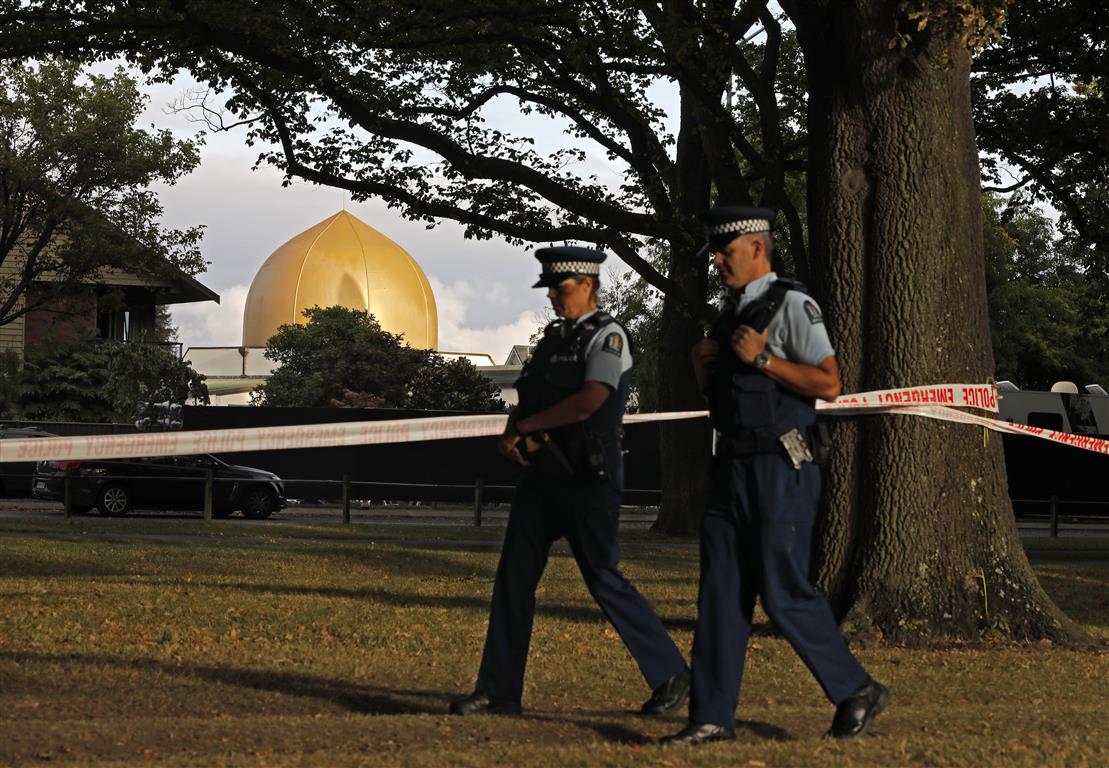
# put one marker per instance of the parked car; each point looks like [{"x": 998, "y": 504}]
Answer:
[
  {"x": 16, "y": 476},
  {"x": 116, "y": 486}
]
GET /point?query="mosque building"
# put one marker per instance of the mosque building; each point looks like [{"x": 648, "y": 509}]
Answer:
[{"x": 339, "y": 261}]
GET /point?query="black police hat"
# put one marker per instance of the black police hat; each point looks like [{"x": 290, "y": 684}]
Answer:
[
  {"x": 725, "y": 223},
  {"x": 563, "y": 261}
]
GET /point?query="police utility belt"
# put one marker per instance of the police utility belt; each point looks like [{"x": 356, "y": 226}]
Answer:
[
  {"x": 570, "y": 453},
  {"x": 755, "y": 442}
]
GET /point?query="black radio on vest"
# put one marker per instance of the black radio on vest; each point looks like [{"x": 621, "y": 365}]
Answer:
[
  {"x": 556, "y": 371},
  {"x": 747, "y": 406}
]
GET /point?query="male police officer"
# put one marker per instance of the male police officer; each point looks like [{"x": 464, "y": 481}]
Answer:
[
  {"x": 766, "y": 361},
  {"x": 566, "y": 433}
]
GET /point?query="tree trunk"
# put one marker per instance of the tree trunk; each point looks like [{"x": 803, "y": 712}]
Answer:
[
  {"x": 917, "y": 539},
  {"x": 685, "y": 445}
]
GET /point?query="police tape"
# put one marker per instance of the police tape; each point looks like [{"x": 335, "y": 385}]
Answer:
[
  {"x": 980, "y": 396},
  {"x": 151, "y": 444},
  {"x": 185, "y": 443},
  {"x": 944, "y": 402},
  {"x": 945, "y": 413}
]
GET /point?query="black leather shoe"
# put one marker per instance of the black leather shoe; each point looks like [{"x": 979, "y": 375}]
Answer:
[
  {"x": 855, "y": 713},
  {"x": 699, "y": 733},
  {"x": 668, "y": 696},
  {"x": 478, "y": 703}
]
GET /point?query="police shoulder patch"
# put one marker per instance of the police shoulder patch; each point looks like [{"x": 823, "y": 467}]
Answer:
[
  {"x": 613, "y": 343},
  {"x": 812, "y": 312}
]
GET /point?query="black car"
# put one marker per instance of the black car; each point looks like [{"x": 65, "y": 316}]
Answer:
[
  {"x": 16, "y": 476},
  {"x": 116, "y": 486}
]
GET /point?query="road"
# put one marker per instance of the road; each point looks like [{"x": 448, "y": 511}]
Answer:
[{"x": 494, "y": 515}]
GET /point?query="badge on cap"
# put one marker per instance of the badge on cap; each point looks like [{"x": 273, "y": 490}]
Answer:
[
  {"x": 727, "y": 222},
  {"x": 561, "y": 262}
]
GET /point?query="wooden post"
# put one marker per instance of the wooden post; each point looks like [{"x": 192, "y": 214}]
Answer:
[
  {"x": 208, "y": 495},
  {"x": 1054, "y": 516},
  {"x": 346, "y": 499},
  {"x": 479, "y": 486},
  {"x": 67, "y": 493}
]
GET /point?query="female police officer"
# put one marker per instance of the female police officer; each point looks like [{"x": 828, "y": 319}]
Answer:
[
  {"x": 766, "y": 361},
  {"x": 566, "y": 432}
]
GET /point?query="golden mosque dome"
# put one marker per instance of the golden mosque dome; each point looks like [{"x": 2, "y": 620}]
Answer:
[{"x": 342, "y": 260}]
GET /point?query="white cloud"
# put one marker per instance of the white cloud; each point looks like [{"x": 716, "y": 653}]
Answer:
[
  {"x": 207, "y": 324},
  {"x": 452, "y": 302}
]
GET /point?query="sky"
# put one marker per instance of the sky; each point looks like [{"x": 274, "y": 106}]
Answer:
[{"x": 482, "y": 287}]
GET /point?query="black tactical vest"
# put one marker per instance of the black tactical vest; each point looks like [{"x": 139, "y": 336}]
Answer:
[
  {"x": 746, "y": 405},
  {"x": 556, "y": 370}
]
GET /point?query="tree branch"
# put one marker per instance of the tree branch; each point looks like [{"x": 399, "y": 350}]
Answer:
[
  {"x": 629, "y": 256},
  {"x": 1043, "y": 177},
  {"x": 464, "y": 162},
  {"x": 1011, "y": 188}
]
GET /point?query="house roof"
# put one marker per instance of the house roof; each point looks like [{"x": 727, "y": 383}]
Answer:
[
  {"x": 187, "y": 288},
  {"x": 175, "y": 287},
  {"x": 519, "y": 354}
]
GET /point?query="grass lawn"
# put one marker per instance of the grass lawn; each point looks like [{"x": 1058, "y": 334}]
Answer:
[{"x": 236, "y": 643}]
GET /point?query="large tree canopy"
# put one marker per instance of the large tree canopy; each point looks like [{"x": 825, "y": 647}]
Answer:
[
  {"x": 1047, "y": 317},
  {"x": 1040, "y": 105},
  {"x": 75, "y": 177},
  {"x": 668, "y": 107}
]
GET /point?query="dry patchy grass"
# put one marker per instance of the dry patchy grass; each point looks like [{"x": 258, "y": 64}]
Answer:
[{"x": 243, "y": 644}]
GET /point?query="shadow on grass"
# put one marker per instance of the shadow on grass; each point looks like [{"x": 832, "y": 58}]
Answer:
[
  {"x": 765, "y": 731},
  {"x": 619, "y": 734},
  {"x": 616, "y": 733},
  {"x": 356, "y": 698},
  {"x": 362, "y": 699},
  {"x": 1080, "y": 588},
  {"x": 622, "y": 734},
  {"x": 590, "y": 614},
  {"x": 31, "y": 566}
]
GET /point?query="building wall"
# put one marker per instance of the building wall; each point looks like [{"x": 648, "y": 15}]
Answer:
[
  {"x": 510, "y": 396},
  {"x": 11, "y": 335},
  {"x": 60, "y": 320}
]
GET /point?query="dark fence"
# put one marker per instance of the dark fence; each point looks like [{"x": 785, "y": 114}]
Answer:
[
  {"x": 1055, "y": 510},
  {"x": 1041, "y": 470},
  {"x": 71, "y": 428}
]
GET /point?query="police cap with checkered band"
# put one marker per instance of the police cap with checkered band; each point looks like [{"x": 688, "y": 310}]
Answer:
[
  {"x": 725, "y": 223},
  {"x": 563, "y": 261}
]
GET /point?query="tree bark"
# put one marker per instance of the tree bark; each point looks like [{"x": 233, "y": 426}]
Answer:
[
  {"x": 916, "y": 539},
  {"x": 685, "y": 445}
]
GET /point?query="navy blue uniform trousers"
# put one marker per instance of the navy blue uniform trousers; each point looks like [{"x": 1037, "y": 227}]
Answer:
[
  {"x": 755, "y": 541},
  {"x": 542, "y": 512}
]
